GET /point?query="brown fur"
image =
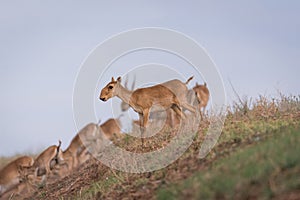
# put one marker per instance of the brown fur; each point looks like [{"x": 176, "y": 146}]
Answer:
[
  {"x": 71, "y": 156},
  {"x": 77, "y": 153},
  {"x": 10, "y": 175},
  {"x": 125, "y": 106},
  {"x": 77, "y": 149},
  {"x": 156, "y": 98},
  {"x": 45, "y": 162},
  {"x": 202, "y": 94},
  {"x": 180, "y": 90},
  {"x": 111, "y": 128},
  {"x": 20, "y": 191}
]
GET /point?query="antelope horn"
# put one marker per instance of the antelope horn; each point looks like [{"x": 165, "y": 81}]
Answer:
[
  {"x": 126, "y": 82},
  {"x": 189, "y": 80},
  {"x": 133, "y": 83}
]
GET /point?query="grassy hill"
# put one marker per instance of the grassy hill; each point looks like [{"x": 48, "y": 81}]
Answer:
[
  {"x": 256, "y": 157},
  {"x": 267, "y": 169}
]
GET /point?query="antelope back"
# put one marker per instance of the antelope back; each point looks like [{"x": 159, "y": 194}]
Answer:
[{"x": 110, "y": 127}]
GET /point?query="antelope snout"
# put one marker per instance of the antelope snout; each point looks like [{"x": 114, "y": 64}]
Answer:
[{"x": 102, "y": 99}]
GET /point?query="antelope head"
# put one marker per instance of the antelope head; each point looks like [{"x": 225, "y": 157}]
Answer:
[{"x": 110, "y": 90}]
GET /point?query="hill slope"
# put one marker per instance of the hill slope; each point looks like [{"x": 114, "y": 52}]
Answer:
[{"x": 256, "y": 156}]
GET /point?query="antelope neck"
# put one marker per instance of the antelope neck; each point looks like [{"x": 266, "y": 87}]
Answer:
[{"x": 123, "y": 94}]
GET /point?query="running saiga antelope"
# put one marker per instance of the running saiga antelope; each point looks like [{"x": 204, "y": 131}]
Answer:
[
  {"x": 77, "y": 153},
  {"x": 179, "y": 89},
  {"x": 45, "y": 162},
  {"x": 156, "y": 98},
  {"x": 10, "y": 175}
]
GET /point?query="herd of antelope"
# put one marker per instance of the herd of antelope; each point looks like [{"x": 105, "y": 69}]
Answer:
[{"x": 174, "y": 97}]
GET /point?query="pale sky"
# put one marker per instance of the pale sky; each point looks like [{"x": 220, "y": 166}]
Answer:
[{"x": 255, "y": 44}]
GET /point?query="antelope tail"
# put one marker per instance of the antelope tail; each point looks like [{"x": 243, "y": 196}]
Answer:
[{"x": 187, "y": 82}]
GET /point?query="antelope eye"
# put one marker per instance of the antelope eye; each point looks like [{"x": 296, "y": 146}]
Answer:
[{"x": 110, "y": 87}]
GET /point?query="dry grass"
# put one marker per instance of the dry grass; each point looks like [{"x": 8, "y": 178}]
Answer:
[{"x": 247, "y": 124}]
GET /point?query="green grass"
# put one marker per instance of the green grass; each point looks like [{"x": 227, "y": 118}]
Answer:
[
  {"x": 100, "y": 187},
  {"x": 264, "y": 170},
  {"x": 256, "y": 157}
]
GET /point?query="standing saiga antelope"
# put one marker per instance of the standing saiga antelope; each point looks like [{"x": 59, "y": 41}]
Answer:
[
  {"x": 179, "y": 89},
  {"x": 10, "y": 175},
  {"x": 156, "y": 98},
  {"x": 202, "y": 96}
]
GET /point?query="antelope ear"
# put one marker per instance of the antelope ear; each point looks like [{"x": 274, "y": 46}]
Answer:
[
  {"x": 112, "y": 79},
  {"x": 119, "y": 79},
  {"x": 205, "y": 84}
]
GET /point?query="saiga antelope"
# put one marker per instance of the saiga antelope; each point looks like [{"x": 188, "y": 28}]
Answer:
[
  {"x": 45, "y": 162},
  {"x": 178, "y": 88},
  {"x": 18, "y": 192},
  {"x": 77, "y": 153},
  {"x": 111, "y": 128},
  {"x": 10, "y": 175},
  {"x": 202, "y": 95},
  {"x": 157, "y": 98}
]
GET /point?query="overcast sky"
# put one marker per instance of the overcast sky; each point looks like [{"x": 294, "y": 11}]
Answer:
[{"x": 256, "y": 45}]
